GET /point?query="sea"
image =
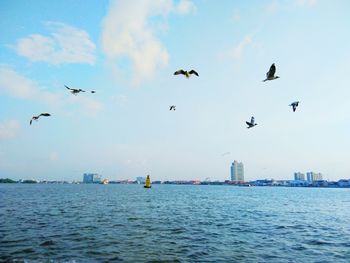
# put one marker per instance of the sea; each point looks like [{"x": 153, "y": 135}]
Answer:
[{"x": 173, "y": 223}]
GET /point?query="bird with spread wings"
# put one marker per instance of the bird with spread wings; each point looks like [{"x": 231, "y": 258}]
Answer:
[
  {"x": 187, "y": 74},
  {"x": 35, "y": 118}
]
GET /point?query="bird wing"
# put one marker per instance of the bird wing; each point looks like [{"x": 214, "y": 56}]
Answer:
[
  {"x": 252, "y": 120},
  {"x": 30, "y": 123},
  {"x": 294, "y": 107},
  {"x": 93, "y": 91},
  {"x": 68, "y": 87},
  {"x": 248, "y": 123},
  {"x": 81, "y": 90},
  {"x": 194, "y": 72},
  {"x": 45, "y": 114},
  {"x": 181, "y": 71},
  {"x": 272, "y": 71}
]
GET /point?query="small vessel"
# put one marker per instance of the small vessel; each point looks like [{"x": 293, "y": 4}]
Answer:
[
  {"x": 148, "y": 182},
  {"x": 105, "y": 181}
]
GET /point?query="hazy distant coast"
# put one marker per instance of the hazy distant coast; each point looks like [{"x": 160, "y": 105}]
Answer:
[{"x": 343, "y": 183}]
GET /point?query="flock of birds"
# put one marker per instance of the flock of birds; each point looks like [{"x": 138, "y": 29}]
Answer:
[
  {"x": 45, "y": 114},
  {"x": 270, "y": 75}
]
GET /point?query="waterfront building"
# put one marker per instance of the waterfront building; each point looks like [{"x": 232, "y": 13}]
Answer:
[
  {"x": 311, "y": 176},
  {"x": 298, "y": 183},
  {"x": 237, "y": 171},
  {"x": 344, "y": 183},
  {"x": 299, "y": 176},
  {"x": 91, "y": 178}
]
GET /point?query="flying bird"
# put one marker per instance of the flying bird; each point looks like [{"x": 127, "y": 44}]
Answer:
[
  {"x": 186, "y": 73},
  {"x": 74, "y": 91},
  {"x": 295, "y": 104},
  {"x": 35, "y": 118},
  {"x": 270, "y": 75},
  {"x": 172, "y": 107},
  {"x": 251, "y": 123}
]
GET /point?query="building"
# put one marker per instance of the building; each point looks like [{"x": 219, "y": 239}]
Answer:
[
  {"x": 91, "y": 178},
  {"x": 237, "y": 171},
  {"x": 299, "y": 176},
  {"x": 311, "y": 176}
]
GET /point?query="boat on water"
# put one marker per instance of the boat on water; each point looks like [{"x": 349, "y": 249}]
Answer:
[
  {"x": 148, "y": 182},
  {"x": 105, "y": 181}
]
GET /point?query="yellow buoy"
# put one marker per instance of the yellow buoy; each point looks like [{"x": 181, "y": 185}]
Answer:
[{"x": 148, "y": 182}]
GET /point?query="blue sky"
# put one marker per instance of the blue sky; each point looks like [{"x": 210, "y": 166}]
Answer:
[{"x": 128, "y": 50}]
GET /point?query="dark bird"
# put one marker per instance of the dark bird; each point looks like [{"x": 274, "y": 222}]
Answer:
[
  {"x": 251, "y": 123},
  {"x": 35, "y": 118},
  {"x": 173, "y": 107},
  {"x": 271, "y": 74},
  {"x": 186, "y": 73},
  {"x": 295, "y": 104},
  {"x": 74, "y": 91}
]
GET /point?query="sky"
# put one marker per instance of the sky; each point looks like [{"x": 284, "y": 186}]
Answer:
[{"x": 127, "y": 51}]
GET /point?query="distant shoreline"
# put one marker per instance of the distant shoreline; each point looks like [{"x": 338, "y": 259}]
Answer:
[{"x": 344, "y": 183}]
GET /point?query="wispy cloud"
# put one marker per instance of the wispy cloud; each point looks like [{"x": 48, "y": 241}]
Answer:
[
  {"x": 18, "y": 86},
  {"x": 9, "y": 129},
  {"x": 185, "y": 7},
  {"x": 66, "y": 44},
  {"x": 238, "y": 50},
  {"x": 15, "y": 85},
  {"x": 129, "y": 35}
]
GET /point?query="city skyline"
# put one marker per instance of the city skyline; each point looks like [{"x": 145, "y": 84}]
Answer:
[{"x": 125, "y": 129}]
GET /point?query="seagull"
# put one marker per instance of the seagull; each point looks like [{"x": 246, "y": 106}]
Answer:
[
  {"x": 172, "y": 107},
  {"x": 271, "y": 74},
  {"x": 35, "y": 118},
  {"x": 295, "y": 104},
  {"x": 251, "y": 123},
  {"x": 75, "y": 91},
  {"x": 186, "y": 73}
]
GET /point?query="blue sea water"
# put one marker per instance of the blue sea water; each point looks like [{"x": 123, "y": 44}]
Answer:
[{"x": 173, "y": 223}]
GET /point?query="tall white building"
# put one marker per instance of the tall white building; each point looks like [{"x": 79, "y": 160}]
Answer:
[
  {"x": 311, "y": 176},
  {"x": 237, "y": 171},
  {"x": 299, "y": 176}
]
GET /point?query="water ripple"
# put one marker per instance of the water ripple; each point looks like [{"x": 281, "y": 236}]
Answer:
[{"x": 125, "y": 223}]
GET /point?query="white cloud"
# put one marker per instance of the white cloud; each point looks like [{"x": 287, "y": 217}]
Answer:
[
  {"x": 185, "y": 7},
  {"x": 9, "y": 129},
  {"x": 238, "y": 50},
  {"x": 67, "y": 44},
  {"x": 18, "y": 86},
  {"x": 128, "y": 35}
]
